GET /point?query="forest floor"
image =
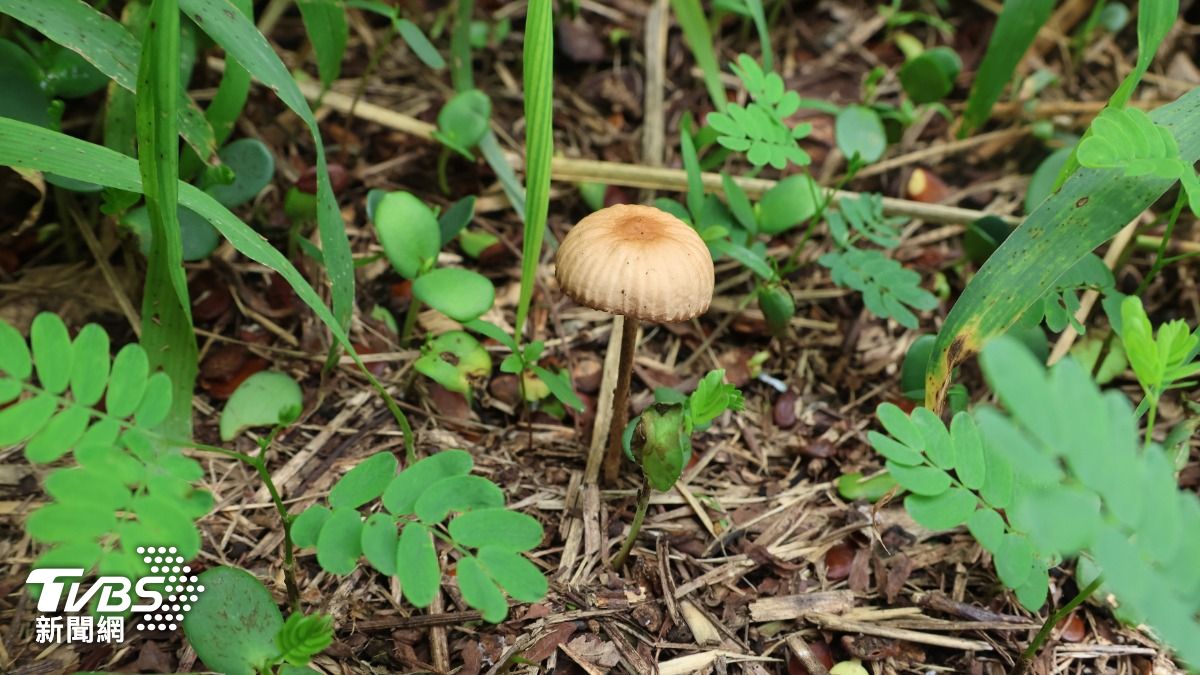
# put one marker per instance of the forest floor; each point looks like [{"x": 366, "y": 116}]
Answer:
[{"x": 754, "y": 561}]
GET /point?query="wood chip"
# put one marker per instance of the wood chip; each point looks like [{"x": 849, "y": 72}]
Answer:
[{"x": 788, "y": 607}]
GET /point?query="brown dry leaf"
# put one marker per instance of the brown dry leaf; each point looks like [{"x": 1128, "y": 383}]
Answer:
[
  {"x": 594, "y": 655},
  {"x": 545, "y": 646}
]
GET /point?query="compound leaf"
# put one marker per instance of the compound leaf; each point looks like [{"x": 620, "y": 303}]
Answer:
[
  {"x": 364, "y": 482},
  {"x": 417, "y": 565}
]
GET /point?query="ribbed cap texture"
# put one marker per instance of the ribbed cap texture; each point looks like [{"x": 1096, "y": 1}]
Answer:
[{"x": 637, "y": 261}]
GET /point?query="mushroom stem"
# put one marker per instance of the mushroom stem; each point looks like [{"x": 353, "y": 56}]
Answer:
[{"x": 620, "y": 407}]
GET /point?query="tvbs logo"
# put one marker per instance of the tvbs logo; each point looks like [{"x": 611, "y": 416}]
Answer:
[{"x": 158, "y": 601}]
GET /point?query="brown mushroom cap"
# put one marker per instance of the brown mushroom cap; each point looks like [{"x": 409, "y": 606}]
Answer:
[{"x": 638, "y": 261}]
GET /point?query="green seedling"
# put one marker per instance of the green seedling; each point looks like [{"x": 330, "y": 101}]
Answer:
[
  {"x": 660, "y": 441},
  {"x": 456, "y": 361},
  {"x": 760, "y": 129},
  {"x": 265, "y": 398},
  {"x": 486, "y": 538},
  {"x": 412, "y": 237},
  {"x": 408, "y": 31},
  {"x": 537, "y": 382},
  {"x": 236, "y": 628},
  {"x": 929, "y": 76},
  {"x": 1161, "y": 360}
]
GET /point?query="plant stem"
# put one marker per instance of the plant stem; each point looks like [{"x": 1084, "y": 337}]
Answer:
[
  {"x": 1031, "y": 652},
  {"x": 635, "y": 527},
  {"x": 410, "y": 320},
  {"x": 620, "y": 410},
  {"x": 443, "y": 160}
]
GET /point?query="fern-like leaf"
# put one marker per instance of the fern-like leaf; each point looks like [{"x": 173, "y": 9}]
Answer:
[
  {"x": 127, "y": 487},
  {"x": 887, "y": 287},
  {"x": 1127, "y": 139},
  {"x": 863, "y": 216},
  {"x": 760, "y": 129}
]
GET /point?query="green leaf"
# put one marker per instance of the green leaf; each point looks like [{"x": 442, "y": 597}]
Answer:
[
  {"x": 110, "y": 48},
  {"x": 14, "y": 353},
  {"x": 1091, "y": 207},
  {"x": 930, "y": 76},
  {"x": 408, "y": 232},
  {"x": 236, "y": 34},
  {"x": 463, "y": 121},
  {"x": 969, "y": 463},
  {"x": 51, "y": 352},
  {"x": 902, "y": 427},
  {"x": 712, "y": 397},
  {"x": 156, "y": 402},
  {"x": 130, "y": 371},
  {"x": 421, "y": 46},
  {"x": 303, "y": 637},
  {"x": 888, "y": 288},
  {"x": 87, "y": 487},
  {"x": 89, "y": 365},
  {"x": 696, "y": 33},
  {"x": 1014, "y": 559},
  {"x": 364, "y": 482},
  {"x": 943, "y": 511},
  {"x": 662, "y": 444},
  {"x": 788, "y": 203},
  {"x": 402, "y": 493},
  {"x": 921, "y": 480},
  {"x": 266, "y": 398},
  {"x": 739, "y": 203},
  {"x": 460, "y": 294},
  {"x": 560, "y": 386},
  {"x": 863, "y": 216},
  {"x": 988, "y": 529},
  {"x": 859, "y": 133},
  {"x": 307, "y": 526},
  {"x": 83, "y": 554},
  {"x": 457, "y": 493},
  {"x": 1041, "y": 183},
  {"x": 233, "y": 625},
  {"x": 340, "y": 542},
  {"x": 58, "y": 435},
  {"x": 1032, "y": 593},
  {"x": 325, "y": 22},
  {"x": 253, "y": 168},
  {"x": 496, "y": 528},
  {"x": 480, "y": 591},
  {"x": 852, "y": 486},
  {"x": 456, "y": 217},
  {"x": 162, "y": 521},
  {"x": 516, "y": 575},
  {"x": 69, "y": 522},
  {"x": 417, "y": 565},
  {"x": 1062, "y": 519},
  {"x": 24, "y": 419},
  {"x": 379, "y": 539},
  {"x": 1015, "y": 31},
  {"x": 938, "y": 446},
  {"x": 1155, "y": 18}
]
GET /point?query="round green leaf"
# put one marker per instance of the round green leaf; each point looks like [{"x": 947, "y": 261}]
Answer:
[
  {"x": 408, "y": 232},
  {"x": 379, "y": 541},
  {"x": 402, "y": 494},
  {"x": 496, "y": 528},
  {"x": 156, "y": 402},
  {"x": 460, "y": 294},
  {"x": 852, "y": 487},
  {"x": 340, "y": 542},
  {"x": 58, "y": 436},
  {"x": 14, "y": 353},
  {"x": 921, "y": 480},
  {"x": 417, "y": 565},
  {"x": 463, "y": 121},
  {"x": 458, "y": 493},
  {"x": 87, "y": 486},
  {"x": 790, "y": 202},
  {"x": 859, "y": 132},
  {"x": 364, "y": 482},
  {"x": 89, "y": 364},
  {"x": 233, "y": 625},
  {"x": 480, "y": 591},
  {"x": 307, "y": 526},
  {"x": 197, "y": 236},
  {"x": 1032, "y": 593},
  {"x": 941, "y": 512},
  {"x": 130, "y": 370},
  {"x": 69, "y": 522},
  {"x": 1014, "y": 559},
  {"x": 51, "y": 352},
  {"x": 253, "y": 167},
  {"x": 930, "y": 76},
  {"x": 264, "y": 399},
  {"x": 516, "y": 575}
]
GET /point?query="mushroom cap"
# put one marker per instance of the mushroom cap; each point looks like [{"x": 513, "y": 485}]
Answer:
[{"x": 638, "y": 261}]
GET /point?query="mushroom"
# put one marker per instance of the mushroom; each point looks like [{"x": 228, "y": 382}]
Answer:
[{"x": 642, "y": 263}]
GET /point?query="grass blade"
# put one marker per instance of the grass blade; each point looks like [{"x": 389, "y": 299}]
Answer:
[
  {"x": 226, "y": 105},
  {"x": 32, "y": 147},
  {"x": 539, "y": 144},
  {"x": 691, "y": 18},
  {"x": 461, "y": 74},
  {"x": 325, "y": 21},
  {"x": 108, "y": 47},
  {"x": 244, "y": 44},
  {"x": 1092, "y": 206},
  {"x": 1016, "y": 29},
  {"x": 167, "y": 332},
  {"x": 764, "y": 32}
]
